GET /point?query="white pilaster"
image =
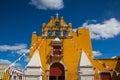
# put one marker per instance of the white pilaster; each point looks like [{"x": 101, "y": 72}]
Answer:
[
  {"x": 34, "y": 68},
  {"x": 85, "y": 71}
]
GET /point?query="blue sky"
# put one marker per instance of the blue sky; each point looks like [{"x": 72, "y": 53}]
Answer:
[{"x": 19, "y": 18}]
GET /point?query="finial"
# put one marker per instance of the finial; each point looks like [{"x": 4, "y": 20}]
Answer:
[{"x": 57, "y": 15}]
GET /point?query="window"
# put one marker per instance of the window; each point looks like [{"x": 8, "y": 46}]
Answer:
[
  {"x": 49, "y": 33},
  {"x": 56, "y": 50},
  {"x": 57, "y": 24},
  {"x": 65, "y": 33},
  {"x": 57, "y": 33}
]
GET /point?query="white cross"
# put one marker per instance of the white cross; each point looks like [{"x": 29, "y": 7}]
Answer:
[{"x": 57, "y": 15}]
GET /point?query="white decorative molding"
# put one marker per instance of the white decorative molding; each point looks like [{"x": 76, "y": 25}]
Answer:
[
  {"x": 85, "y": 71},
  {"x": 34, "y": 68}
]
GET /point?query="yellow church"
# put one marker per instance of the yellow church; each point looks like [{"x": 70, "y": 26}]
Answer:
[{"x": 61, "y": 54}]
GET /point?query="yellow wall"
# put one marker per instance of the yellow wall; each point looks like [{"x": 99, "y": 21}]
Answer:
[
  {"x": 71, "y": 51},
  {"x": 72, "y": 47}
]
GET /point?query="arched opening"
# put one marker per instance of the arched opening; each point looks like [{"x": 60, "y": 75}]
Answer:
[
  {"x": 65, "y": 33},
  {"x": 57, "y": 72},
  {"x": 49, "y": 34},
  {"x": 105, "y": 76},
  {"x": 57, "y": 33}
]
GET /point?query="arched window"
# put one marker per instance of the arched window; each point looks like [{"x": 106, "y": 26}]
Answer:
[
  {"x": 65, "y": 33},
  {"x": 56, "y": 50},
  {"x": 57, "y": 24},
  {"x": 57, "y": 33},
  {"x": 49, "y": 33}
]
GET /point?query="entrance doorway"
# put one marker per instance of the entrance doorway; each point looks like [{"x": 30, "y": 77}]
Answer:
[
  {"x": 105, "y": 76},
  {"x": 57, "y": 72}
]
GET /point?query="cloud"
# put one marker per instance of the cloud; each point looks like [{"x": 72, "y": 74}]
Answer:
[
  {"x": 4, "y": 62},
  {"x": 97, "y": 53},
  {"x": 22, "y": 51},
  {"x": 7, "y": 62},
  {"x": 74, "y": 30},
  {"x": 114, "y": 57},
  {"x": 12, "y": 47},
  {"x": 107, "y": 29},
  {"x": 48, "y": 4},
  {"x": 18, "y": 48}
]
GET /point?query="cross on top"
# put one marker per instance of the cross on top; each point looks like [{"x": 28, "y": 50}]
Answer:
[{"x": 57, "y": 15}]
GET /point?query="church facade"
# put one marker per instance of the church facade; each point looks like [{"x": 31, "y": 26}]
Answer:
[{"x": 61, "y": 54}]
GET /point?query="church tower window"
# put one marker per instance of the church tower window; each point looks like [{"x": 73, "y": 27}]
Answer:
[
  {"x": 65, "y": 33},
  {"x": 57, "y": 33},
  {"x": 56, "y": 50},
  {"x": 49, "y": 33},
  {"x": 56, "y": 47},
  {"x": 57, "y": 24}
]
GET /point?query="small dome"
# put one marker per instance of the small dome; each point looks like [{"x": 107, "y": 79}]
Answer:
[{"x": 56, "y": 39}]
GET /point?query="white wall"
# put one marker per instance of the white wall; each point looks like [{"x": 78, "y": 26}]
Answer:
[
  {"x": 87, "y": 78},
  {"x": 86, "y": 73}
]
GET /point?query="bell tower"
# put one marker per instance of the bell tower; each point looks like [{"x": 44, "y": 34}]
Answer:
[{"x": 56, "y": 27}]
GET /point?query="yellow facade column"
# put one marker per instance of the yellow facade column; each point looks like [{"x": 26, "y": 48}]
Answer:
[
  {"x": 53, "y": 33},
  {"x": 61, "y": 33},
  {"x": 70, "y": 32},
  {"x": 43, "y": 29}
]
